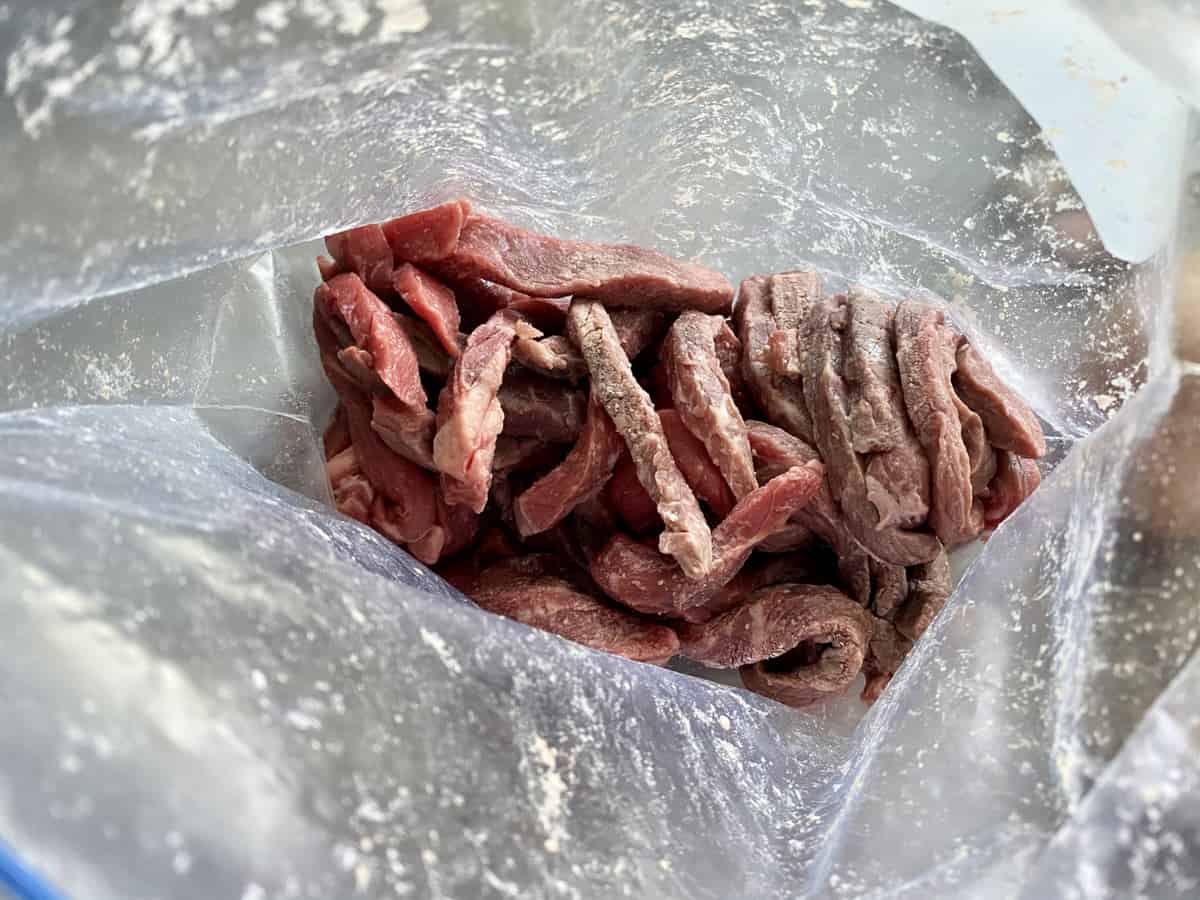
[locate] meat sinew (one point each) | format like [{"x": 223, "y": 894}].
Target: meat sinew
[{"x": 590, "y": 397}]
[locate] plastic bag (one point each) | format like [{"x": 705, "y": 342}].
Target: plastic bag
[{"x": 223, "y": 689}]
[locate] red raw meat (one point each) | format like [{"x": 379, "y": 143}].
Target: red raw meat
[
  {"x": 703, "y": 399},
  {"x": 431, "y": 357},
  {"x": 406, "y": 430},
  {"x": 1015, "y": 479},
  {"x": 645, "y": 580},
  {"x": 433, "y": 302},
  {"x": 540, "y": 407},
  {"x": 345, "y": 299},
  {"x": 456, "y": 528},
  {"x": 581, "y": 475},
  {"x": 352, "y": 493},
  {"x": 686, "y": 535},
  {"x": 1011, "y": 424},
  {"x": 701, "y": 474},
  {"x": 365, "y": 252},
  {"x": 629, "y": 499},
  {"x": 546, "y": 314},
  {"x": 429, "y": 234},
  {"x": 619, "y": 274},
  {"x": 554, "y": 357}
]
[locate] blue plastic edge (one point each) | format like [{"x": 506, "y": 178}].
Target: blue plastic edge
[{"x": 21, "y": 881}]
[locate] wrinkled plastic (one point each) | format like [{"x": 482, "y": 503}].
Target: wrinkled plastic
[{"x": 226, "y": 690}]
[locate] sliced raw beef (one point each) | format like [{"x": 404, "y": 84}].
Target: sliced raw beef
[
  {"x": 431, "y": 357},
  {"x": 637, "y": 329},
  {"x": 1010, "y": 423},
  {"x": 1015, "y": 479},
  {"x": 729, "y": 352},
  {"x": 703, "y": 399},
  {"x": 645, "y": 580},
  {"x": 771, "y": 621},
  {"x": 685, "y": 535},
  {"x": 546, "y": 314},
  {"x": 554, "y": 604},
  {"x": 429, "y": 234},
  {"x": 406, "y": 430},
  {"x": 456, "y": 528},
  {"x": 365, "y": 252},
  {"x": 789, "y": 539},
  {"x": 781, "y": 399},
  {"x": 783, "y": 354},
  {"x": 825, "y": 391},
  {"x": 889, "y": 587},
  {"x": 754, "y": 575},
  {"x": 433, "y": 302},
  {"x": 925, "y": 352},
  {"x": 929, "y": 586},
  {"x": 345, "y": 300},
  {"x": 699, "y": 471},
  {"x": 581, "y": 475},
  {"x": 827, "y": 658},
  {"x": 554, "y": 357},
  {"x": 469, "y": 417},
  {"x": 886, "y": 650},
  {"x": 618, "y": 274},
  {"x": 541, "y": 407},
  {"x": 980, "y": 454},
  {"x": 524, "y": 453},
  {"x": 792, "y": 293},
  {"x": 352, "y": 492},
  {"x": 327, "y": 267},
  {"x": 629, "y": 499}
]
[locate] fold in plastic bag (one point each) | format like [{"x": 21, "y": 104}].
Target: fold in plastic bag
[{"x": 225, "y": 689}]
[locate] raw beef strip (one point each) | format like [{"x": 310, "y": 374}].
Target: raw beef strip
[
  {"x": 886, "y": 650},
  {"x": 405, "y": 430},
  {"x": 929, "y": 586},
  {"x": 352, "y": 493},
  {"x": 432, "y": 301},
  {"x": 637, "y": 329},
  {"x": 1015, "y": 479},
  {"x": 546, "y": 314},
  {"x": 827, "y": 659},
  {"x": 337, "y": 435},
  {"x": 1010, "y": 423},
  {"x": 478, "y": 300},
  {"x": 685, "y": 534},
  {"x": 592, "y": 523},
  {"x": 792, "y": 293},
  {"x": 581, "y": 475},
  {"x": 554, "y": 604},
  {"x": 782, "y": 399},
  {"x": 456, "y": 528},
  {"x": 359, "y": 364},
  {"x": 754, "y": 575},
  {"x": 524, "y": 453},
  {"x": 771, "y": 621},
  {"x": 327, "y": 267},
  {"x": 889, "y": 587},
  {"x": 783, "y": 356},
  {"x": 896, "y": 473},
  {"x": 703, "y": 398},
  {"x": 825, "y": 392},
  {"x": 345, "y": 299},
  {"x": 699, "y": 471},
  {"x": 629, "y": 499},
  {"x": 729, "y": 352},
  {"x": 789, "y": 539},
  {"x": 925, "y": 352},
  {"x": 431, "y": 357},
  {"x": 554, "y": 357},
  {"x": 365, "y": 252},
  {"x": 645, "y": 580},
  {"x": 430, "y": 234},
  {"x": 541, "y": 407},
  {"x": 980, "y": 454},
  {"x": 619, "y": 274},
  {"x": 469, "y": 417}
]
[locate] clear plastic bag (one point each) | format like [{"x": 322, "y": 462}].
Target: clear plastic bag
[{"x": 224, "y": 689}]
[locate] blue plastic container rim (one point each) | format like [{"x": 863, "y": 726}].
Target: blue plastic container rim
[{"x": 22, "y": 882}]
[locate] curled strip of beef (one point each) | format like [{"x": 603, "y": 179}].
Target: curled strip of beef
[
  {"x": 703, "y": 399},
  {"x": 1016, "y": 478},
  {"x": 580, "y": 476},
  {"x": 363, "y": 251},
  {"x": 980, "y": 454},
  {"x": 431, "y": 357},
  {"x": 554, "y": 356},
  {"x": 796, "y": 567},
  {"x": 699, "y": 471},
  {"x": 770, "y": 622},
  {"x": 1010, "y": 423},
  {"x": 352, "y": 493},
  {"x": 826, "y": 659},
  {"x": 929, "y": 586},
  {"x": 469, "y": 417},
  {"x": 889, "y": 587},
  {"x": 629, "y": 499},
  {"x": 685, "y": 535},
  {"x": 429, "y": 234},
  {"x": 541, "y": 407},
  {"x": 896, "y": 470},
  {"x": 407, "y": 431},
  {"x": 345, "y": 300},
  {"x": 925, "y": 354},
  {"x": 618, "y": 274},
  {"x": 643, "y": 579},
  {"x": 886, "y": 650},
  {"x": 337, "y": 433},
  {"x": 433, "y": 302},
  {"x": 781, "y": 399},
  {"x": 552, "y": 603},
  {"x": 826, "y": 394}
]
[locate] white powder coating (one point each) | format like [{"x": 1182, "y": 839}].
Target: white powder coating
[
  {"x": 552, "y": 791},
  {"x": 439, "y": 646}
]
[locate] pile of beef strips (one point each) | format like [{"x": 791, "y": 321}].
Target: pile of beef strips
[{"x": 593, "y": 440}]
